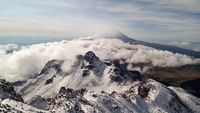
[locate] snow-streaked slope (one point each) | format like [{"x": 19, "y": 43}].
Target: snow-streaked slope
[
  {"x": 15, "y": 106},
  {"x": 99, "y": 86},
  {"x": 192, "y": 101},
  {"x": 158, "y": 99},
  {"x": 90, "y": 73}
]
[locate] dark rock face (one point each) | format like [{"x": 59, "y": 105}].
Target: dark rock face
[
  {"x": 107, "y": 63},
  {"x": 7, "y": 91},
  {"x": 116, "y": 78},
  {"x": 62, "y": 90},
  {"x": 71, "y": 93},
  {"x": 116, "y": 63},
  {"x": 49, "y": 81},
  {"x": 39, "y": 103},
  {"x": 143, "y": 91},
  {"x": 121, "y": 74},
  {"x": 85, "y": 73},
  {"x": 90, "y": 66},
  {"x": 91, "y": 63},
  {"x": 90, "y": 56}
]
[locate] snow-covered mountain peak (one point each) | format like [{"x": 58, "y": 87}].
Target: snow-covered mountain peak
[
  {"x": 111, "y": 34},
  {"x": 92, "y": 86},
  {"x": 88, "y": 72}
]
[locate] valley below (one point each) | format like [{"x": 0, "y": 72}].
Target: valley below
[{"x": 186, "y": 77}]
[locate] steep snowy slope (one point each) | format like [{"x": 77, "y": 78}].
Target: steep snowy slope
[{"x": 192, "y": 101}]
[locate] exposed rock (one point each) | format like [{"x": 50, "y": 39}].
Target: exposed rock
[
  {"x": 39, "y": 103},
  {"x": 116, "y": 78},
  {"x": 62, "y": 90},
  {"x": 7, "y": 91},
  {"x": 49, "y": 81},
  {"x": 116, "y": 63},
  {"x": 108, "y": 63},
  {"x": 85, "y": 73},
  {"x": 90, "y": 56},
  {"x": 69, "y": 99},
  {"x": 143, "y": 91},
  {"x": 90, "y": 66}
]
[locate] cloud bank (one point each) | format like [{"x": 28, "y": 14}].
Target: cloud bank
[
  {"x": 195, "y": 46},
  {"x": 28, "y": 61}
]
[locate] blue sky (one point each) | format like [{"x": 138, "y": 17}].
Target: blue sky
[{"x": 139, "y": 19}]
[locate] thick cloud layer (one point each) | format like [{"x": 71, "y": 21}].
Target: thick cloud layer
[{"x": 29, "y": 61}]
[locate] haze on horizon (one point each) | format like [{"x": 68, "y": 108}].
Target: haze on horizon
[{"x": 140, "y": 19}]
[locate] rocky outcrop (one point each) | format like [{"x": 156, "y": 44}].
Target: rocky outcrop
[
  {"x": 92, "y": 63},
  {"x": 39, "y": 103},
  {"x": 90, "y": 56},
  {"x": 69, "y": 99},
  {"x": 7, "y": 91}
]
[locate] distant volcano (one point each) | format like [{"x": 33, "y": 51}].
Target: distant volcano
[
  {"x": 112, "y": 34},
  {"x": 115, "y": 34}
]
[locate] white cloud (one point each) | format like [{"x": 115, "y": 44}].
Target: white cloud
[
  {"x": 29, "y": 61},
  {"x": 179, "y": 44},
  {"x": 69, "y": 66},
  {"x": 160, "y": 58},
  {"x": 142, "y": 69},
  {"x": 9, "y": 47},
  {"x": 2, "y": 52},
  {"x": 195, "y": 46}
]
